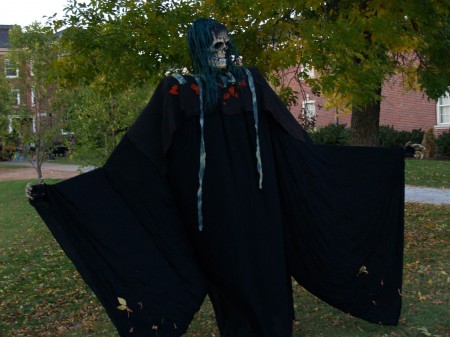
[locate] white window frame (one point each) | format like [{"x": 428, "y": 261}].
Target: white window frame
[
  {"x": 10, "y": 66},
  {"x": 12, "y": 117},
  {"x": 10, "y": 122},
  {"x": 439, "y": 106},
  {"x": 16, "y": 94},
  {"x": 33, "y": 97},
  {"x": 306, "y": 110}
]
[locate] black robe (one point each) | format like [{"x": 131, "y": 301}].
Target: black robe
[{"x": 331, "y": 217}]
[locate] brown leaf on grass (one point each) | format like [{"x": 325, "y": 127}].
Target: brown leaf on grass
[{"x": 421, "y": 297}]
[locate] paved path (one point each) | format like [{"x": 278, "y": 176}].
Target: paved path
[
  {"x": 52, "y": 166},
  {"x": 424, "y": 195}
]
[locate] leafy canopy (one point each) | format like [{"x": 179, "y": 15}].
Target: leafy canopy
[{"x": 353, "y": 45}]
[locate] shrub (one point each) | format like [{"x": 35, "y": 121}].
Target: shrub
[
  {"x": 416, "y": 136},
  {"x": 331, "y": 134},
  {"x": 389, "y": 137},
  {"x": 429, "y": 142},
  {"x": 443, "y": 144}
]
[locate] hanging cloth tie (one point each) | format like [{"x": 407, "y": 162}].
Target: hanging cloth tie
[
  {"x": 256, "y": 120},
  {"x": 201, "y": 171}
]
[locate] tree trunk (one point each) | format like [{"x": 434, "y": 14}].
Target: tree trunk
[{"x": 365, "y": 123}]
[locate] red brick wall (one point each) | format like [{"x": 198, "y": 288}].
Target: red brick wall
[
  {"x": 406, "y": 110},
  {"x": 402, "y": 110}
]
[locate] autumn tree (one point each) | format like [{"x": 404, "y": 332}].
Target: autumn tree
[
  {"x": 113, "y": 44},
  {"x": 34, "y": 49},
  {"x": 5, "y": 94},
  {"x": 115, "y": 52},
  {"x": 354, "y": 46},
  {"x": 98, "y": 120},
  {"x": 6, "y": 109}
]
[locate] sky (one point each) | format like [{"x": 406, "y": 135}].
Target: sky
[{"x": 25, "y": 12}]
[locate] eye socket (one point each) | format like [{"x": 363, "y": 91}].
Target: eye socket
[{"x": 219, "y": 45}]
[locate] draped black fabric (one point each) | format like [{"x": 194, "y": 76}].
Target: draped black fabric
[
  {"x": 331, "y": 217},
  {"x": 348, "y": 249},
  {"x": 125, "y": 248}
]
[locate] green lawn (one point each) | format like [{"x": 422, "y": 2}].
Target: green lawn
[
  {"x": 431, "y": 173},
  {"x": 4, "y": 165},
  {"x": 59, "y": 160},
  {"x": 41, "y": 294}
]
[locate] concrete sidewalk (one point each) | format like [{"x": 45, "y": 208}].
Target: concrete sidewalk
[
  {"x": 426, "y": 195},
  {"x": 423, "y": 195},
  {"x": 52, "y": 166}
]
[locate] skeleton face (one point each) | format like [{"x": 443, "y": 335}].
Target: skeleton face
[{"x": 218, "y": 49}]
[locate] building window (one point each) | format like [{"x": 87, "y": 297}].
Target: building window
[
  {"x": 33, "y": 97},
  {"x": 443, "y": 109},
  {"x": 309, "y": 108},
  {"x": 16, "y": 97},
  {"x": 10, "y": 123},
  {"x": 11, "y": 70}
]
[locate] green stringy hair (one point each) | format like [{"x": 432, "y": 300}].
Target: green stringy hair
[{"x": 200, "y": 38}]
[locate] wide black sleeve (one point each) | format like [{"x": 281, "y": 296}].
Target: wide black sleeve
[
  {"x": 343, "y": 209},
  {"x": 120, "y": 227}
]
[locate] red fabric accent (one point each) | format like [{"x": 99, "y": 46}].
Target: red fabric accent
[
  {"x": 174, "y": 89},
  {"x": 195, "y": 88}
]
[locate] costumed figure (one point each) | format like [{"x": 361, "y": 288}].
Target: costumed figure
[{"x": 216, "y": 189}]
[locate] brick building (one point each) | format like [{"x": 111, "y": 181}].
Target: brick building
[
  {"x": 403, "y": 110},
  {"x": 20, "y": 77},
  {"x": 27, "y": 112}
]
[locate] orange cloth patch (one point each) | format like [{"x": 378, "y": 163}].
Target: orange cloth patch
[{"x": 174, "y": 89}]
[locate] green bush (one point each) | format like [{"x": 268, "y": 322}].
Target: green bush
[
  {"x": 389, "y": 137},
  {"x": 416, "y": 136},
  {"x": 331, "y": 134},
  {"x": 443, "y": 144}
]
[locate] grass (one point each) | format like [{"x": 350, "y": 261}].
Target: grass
[
  {"x": 59, "y": 160},
  {"x": 3, "y": 165},
  {"x": 41, "y": 294},
  {"x": 430, "y": 173}
]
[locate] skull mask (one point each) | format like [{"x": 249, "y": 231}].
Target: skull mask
[
  {"x": 212, "y": 53},
  {"x": 218, "y": 50}
]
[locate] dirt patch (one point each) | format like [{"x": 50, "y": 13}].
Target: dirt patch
[{"x": 8, "y": 174}]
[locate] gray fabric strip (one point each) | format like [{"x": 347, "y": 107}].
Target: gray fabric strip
[
  {"x": 256, "y": 119},
  {"x": 179, "y": 78},
  {"x": 202, "y": 166},
  {"x": 201, "y": 170}
]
